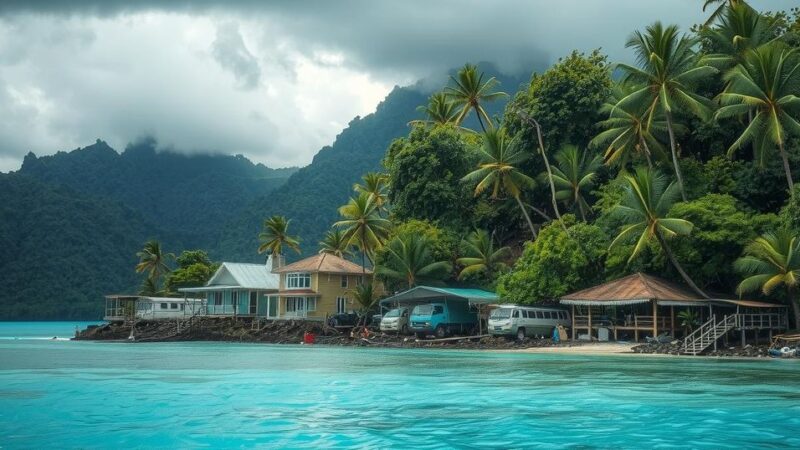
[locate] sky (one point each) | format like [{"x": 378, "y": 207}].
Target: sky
[{"x": 272, "y": 80}]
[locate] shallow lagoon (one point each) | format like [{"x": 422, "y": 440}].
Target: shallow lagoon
[{"x": 95, "y": 394}]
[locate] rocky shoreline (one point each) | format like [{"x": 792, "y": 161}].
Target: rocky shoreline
[{"x": 291, "y": 332}]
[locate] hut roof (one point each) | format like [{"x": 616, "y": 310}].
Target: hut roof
[{"x": 633, "y": 289}]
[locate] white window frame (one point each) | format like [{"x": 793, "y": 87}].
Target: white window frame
[
  {"x": 311, "y": 304},
  {"x": 344, "y": 281},
  {"x": 341, "y": 305},
  {"x": 298, "y": 280}
]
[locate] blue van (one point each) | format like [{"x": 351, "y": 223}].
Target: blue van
[{"x": 442, "y": 319}]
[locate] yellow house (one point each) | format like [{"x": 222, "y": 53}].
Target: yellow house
[{"x": 319, "y": 286}]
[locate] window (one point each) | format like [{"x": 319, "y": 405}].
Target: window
[
  {"x": 163, "y": 306},
  {"x": 515, "y": 314},
  {"x": 234, "y": 297},
  {"x": 539, "y": 315},
  {"x": 182, "y": 306},
  {"x": 298, "y": 304},
  {"x": 341, "y": 305},
  {"x": 311, "y": 304},
  {"x": 438, "y": 309},
  {"x": 298, "y": 280},
  {"x": 217, "y": 298},
  {"x": 344, "y": 281},
  {"x": 173, "y": 306},
  {"x": 359, "y": 280}
]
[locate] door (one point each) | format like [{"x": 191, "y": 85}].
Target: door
[
  {"x": 253, "y": 303},
  {"x": 341, "y": 305}
]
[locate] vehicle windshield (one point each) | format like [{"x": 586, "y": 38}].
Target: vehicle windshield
[
  {"x": 423, "y": 310},
  {"x": 500, "y": 313},
  {"x": 393, "y": 313}
]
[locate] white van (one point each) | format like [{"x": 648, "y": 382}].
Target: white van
[
  {"x": 395, "y": 321},
  {"x": 522, "y": 321}
]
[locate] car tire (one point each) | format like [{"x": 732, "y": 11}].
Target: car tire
[
  {"x": 441, "y": 332},
  {"x": 521, "y": 334}
]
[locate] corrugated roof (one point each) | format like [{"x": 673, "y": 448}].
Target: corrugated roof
[
  {"x": 636, "y": 288},
  {"x": 249, "y": 276},
  {"x": 424, "y": 293},
  {"x": 324, "y": 263}
]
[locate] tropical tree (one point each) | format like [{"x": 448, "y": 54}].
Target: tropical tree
[
  {"x": 335, "y": 243},
  {"x": 765, "y": 84},
  {"x": 470, "y": 92},
  {"x": 481, "y": 256},
  {"x": 644, "y": 209},
  {"x": 363, "y": 225},
  {"x": 574, "y": 176},
  {"x": 667, "y": 73},
  {"x": 722, "y": 4},
  {"x": 689, "y": 320},
  {"x": 770, "y": 261},
  {"x": 149, "y": 288},
  {"x": 374, "y": 184},
  {"x": 627, "y": 132},
  {"x": 364, "y": 295},
  {"x": 499, "y": 171},
  {"x": 409, "y": 260},
  {"x": 276, "y": 236},
  {"x": 739, "y": 30},
  {"x": 440, "y": 110},
  {"x": 153, "y": 261}
]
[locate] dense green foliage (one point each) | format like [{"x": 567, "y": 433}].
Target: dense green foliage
[
  {"x": 194, "y": 269},
  {"x": 556, "y": 263}
]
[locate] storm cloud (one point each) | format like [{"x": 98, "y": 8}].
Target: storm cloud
[{"x": 272, "y": 80}]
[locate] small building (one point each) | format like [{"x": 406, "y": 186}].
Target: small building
[
  {"x": 642, "y": 304},
  {"x": 156, "y": 308},
  {"x": 241, "y": 290},
  {"x": 319, "y": 286}
]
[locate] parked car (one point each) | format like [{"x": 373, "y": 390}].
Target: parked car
[
  {"x": 523, "y": 321},
  {"x": 343, "y": 320},
  {"x": 375, "y": 321},
  {"x": 443, "y": 319},
  {"x": 395, "y": 321}
]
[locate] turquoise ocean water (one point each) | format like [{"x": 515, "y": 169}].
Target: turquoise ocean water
[{"x": 63, "y": 394}]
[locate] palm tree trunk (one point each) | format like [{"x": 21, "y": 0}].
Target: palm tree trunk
[
  {"x": 646, "y": 152},
  {"x": 527, "y": 217},
  {"x": 549, "y": 174},
  {"x": 786, "y": 168},
  {"x": 675, "y": 155},
  {"x": 477, "y": 113},
  {"x": 678, "y": 266},
  {"x": 580, "y": 205}
]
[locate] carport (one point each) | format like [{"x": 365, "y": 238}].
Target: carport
[{"x": 419, "y": 295}]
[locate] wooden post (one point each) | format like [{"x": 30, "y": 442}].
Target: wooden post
[
  {"x": 573, "y": 321},
  {"x": 743, "y": 338},
  {"x": 655, "y": 319},
  {"x": 672, "y": 321},
  {"x": 590, "y": 323},
  {"x": 635, "y": 327}
]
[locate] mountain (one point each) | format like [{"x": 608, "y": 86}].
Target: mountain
[
  {"x": 187, "y": 196},
  {"x": 312, "y": 195},
  {"x": 61, "y": 250}
]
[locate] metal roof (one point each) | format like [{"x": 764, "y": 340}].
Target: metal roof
[
  {"x": 633, "y": 289},
  {"x": 428, "y": 293},
  {"x": 240, "y": 275}
]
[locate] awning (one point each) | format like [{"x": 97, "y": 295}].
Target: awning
[
  {"x": 750, "y": 303},
  {"x": 224, "y": 288},
  {"x": 423, "y": 294}
]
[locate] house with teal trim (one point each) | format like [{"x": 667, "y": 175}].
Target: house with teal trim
[{"x": 241, "y": 290}]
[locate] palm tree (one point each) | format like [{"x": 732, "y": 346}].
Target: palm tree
[
  {"x": 772, "y": 260},
  {"x": 481, "y": 255},
  {"x": 363, "y": 225},
  {"x": 667, "y": 72},
  {"x": 644, "y": 207},
  {"x": 573, "y": 176},
  {"x": 440, "y": 110},
  {"x": 627, "y": 132},
  {"x": 276, "y": 236},
  {"x": 498, "y": 169},
  {"x": 364, "y": 295},
  {"x": 335, "y": 243},
  {"x": 374, "y": 184},
  {"x": 409, "y": 259},
  {"x": 766, "y": 84},
  {"x": 153, "y": 261},
  {"x": 720, "y": 9},
  {"x": 149, "y": 288},
  {"x": 740, "y": 29},
  {"x": 471, "y": 92},
  {"x": 689, "y": 320}
]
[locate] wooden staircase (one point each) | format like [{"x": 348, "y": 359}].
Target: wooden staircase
[{"x": 708, "y": 334}]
